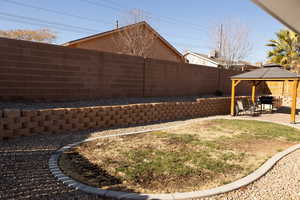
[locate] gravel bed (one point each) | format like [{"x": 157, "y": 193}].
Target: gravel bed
[
  {"x": 98, "y": 102},
  {"x": 24, "y": 169},
  {"x": 282, "y": 182}
]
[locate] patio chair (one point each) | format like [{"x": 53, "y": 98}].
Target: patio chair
[
  {"x": 245, "y": 107},
  {"x": 239, "y": 107},
  {"x": 253, "y": 107}
]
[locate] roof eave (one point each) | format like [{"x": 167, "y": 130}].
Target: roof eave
[
  {"x": 123, "y": 28},
  {"x": 266, "y": 79},
  {"x": 98, "y": 35},
  {"x": 168, "y": 44},
  {"x": 277, "y": 16}
]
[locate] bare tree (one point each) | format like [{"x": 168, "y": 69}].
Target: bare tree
[
  {"x": 40, "y": 35},
  {"x": 231, "y": 41},
  {"x": 134, "y": 16},
  {"x": 136, "y": 39}
]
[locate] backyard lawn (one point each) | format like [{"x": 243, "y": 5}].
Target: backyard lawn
[{"x": 191, "y": 157}]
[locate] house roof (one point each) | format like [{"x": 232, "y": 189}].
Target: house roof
[
  {"x": 206, "y": 57},
  {"x": 268, "y": 72},
  {"x": 287, "y": 12},
  {"x": 122, "y": 29},
  {"x": 217, "y": 61}
]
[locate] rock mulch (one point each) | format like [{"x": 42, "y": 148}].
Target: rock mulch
[
  {"x": 24, "y": 170},
  {"x": 97, "y": 102},
  {"x": 282, "y": 182}
]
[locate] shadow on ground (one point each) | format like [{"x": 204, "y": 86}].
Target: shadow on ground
[
  {"x": 81, "y": 169},
  {"x": 286, "y": 110},
  {"x": 24, "y": 167}
]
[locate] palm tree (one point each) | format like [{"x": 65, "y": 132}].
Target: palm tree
[{"x": 285, "y": 49}]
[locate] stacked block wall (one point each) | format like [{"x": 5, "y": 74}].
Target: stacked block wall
[
  {"x": 43, "y": 72},
  {"x": 15, "y": 122}
]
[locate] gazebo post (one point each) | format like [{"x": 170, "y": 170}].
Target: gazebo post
[
  {"x": 294, "y": 101},
  {"x": 232, "y": 98},
  {"x": 253, "y": 92},
  {"x": 234, "y": 83}
]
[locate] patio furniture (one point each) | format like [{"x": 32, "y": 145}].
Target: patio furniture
[
  {"x": 245, "y": 107},
  {"x": 239, "y": 107},
  {"x": 254, "y": 107},
  {"x": 270, "y": 72},
  {"x": 264, "y": 101}
]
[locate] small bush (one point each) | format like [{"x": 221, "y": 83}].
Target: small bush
[{"x": 218, "y": 93}]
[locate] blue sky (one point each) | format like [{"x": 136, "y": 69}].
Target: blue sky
[{"x": 185, "y": 24}]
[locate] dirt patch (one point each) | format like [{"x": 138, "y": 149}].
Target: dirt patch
[
  {"x": 207, "y": 129},
  {"x": 267, "y": 147},
  {"x": 194, "y": 157}
]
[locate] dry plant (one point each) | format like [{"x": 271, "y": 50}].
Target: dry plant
[
  {"x": 232, "y": 42},
  {"x": 136, "y": 39},
  {"x": 39, "y": 35}
]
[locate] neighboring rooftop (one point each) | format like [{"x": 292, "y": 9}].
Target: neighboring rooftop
[
  {"x": 217, "y": 60},
  {"x": 128, "y": 27}
]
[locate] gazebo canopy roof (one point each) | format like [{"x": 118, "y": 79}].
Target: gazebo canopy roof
[{"x": 269, "y": 72}]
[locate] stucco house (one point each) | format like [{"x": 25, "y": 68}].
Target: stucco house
[
  {"x": 212, "y": 60},
  {"x": 108, "y": 41},
  {"x": 202, "y": 59}
]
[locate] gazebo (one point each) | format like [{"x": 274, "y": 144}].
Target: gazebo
[{"x": 269, "y": 72}]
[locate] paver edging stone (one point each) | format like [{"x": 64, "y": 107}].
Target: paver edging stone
[{"x": 262, "y": 170}]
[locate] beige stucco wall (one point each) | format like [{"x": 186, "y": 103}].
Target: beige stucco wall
[
  {"x": 163, "y": 52},
  {"x": 101, "y": 44},
  {"x": 107, "y": 43}
]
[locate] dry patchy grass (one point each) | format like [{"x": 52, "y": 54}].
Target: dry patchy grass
[{"x": 192, "y": 157}]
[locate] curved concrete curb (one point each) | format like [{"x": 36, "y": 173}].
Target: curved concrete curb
[{"x": 55, "y": 170}]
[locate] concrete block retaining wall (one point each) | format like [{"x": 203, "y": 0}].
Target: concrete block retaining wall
[{"x": 15, "y": 122}]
